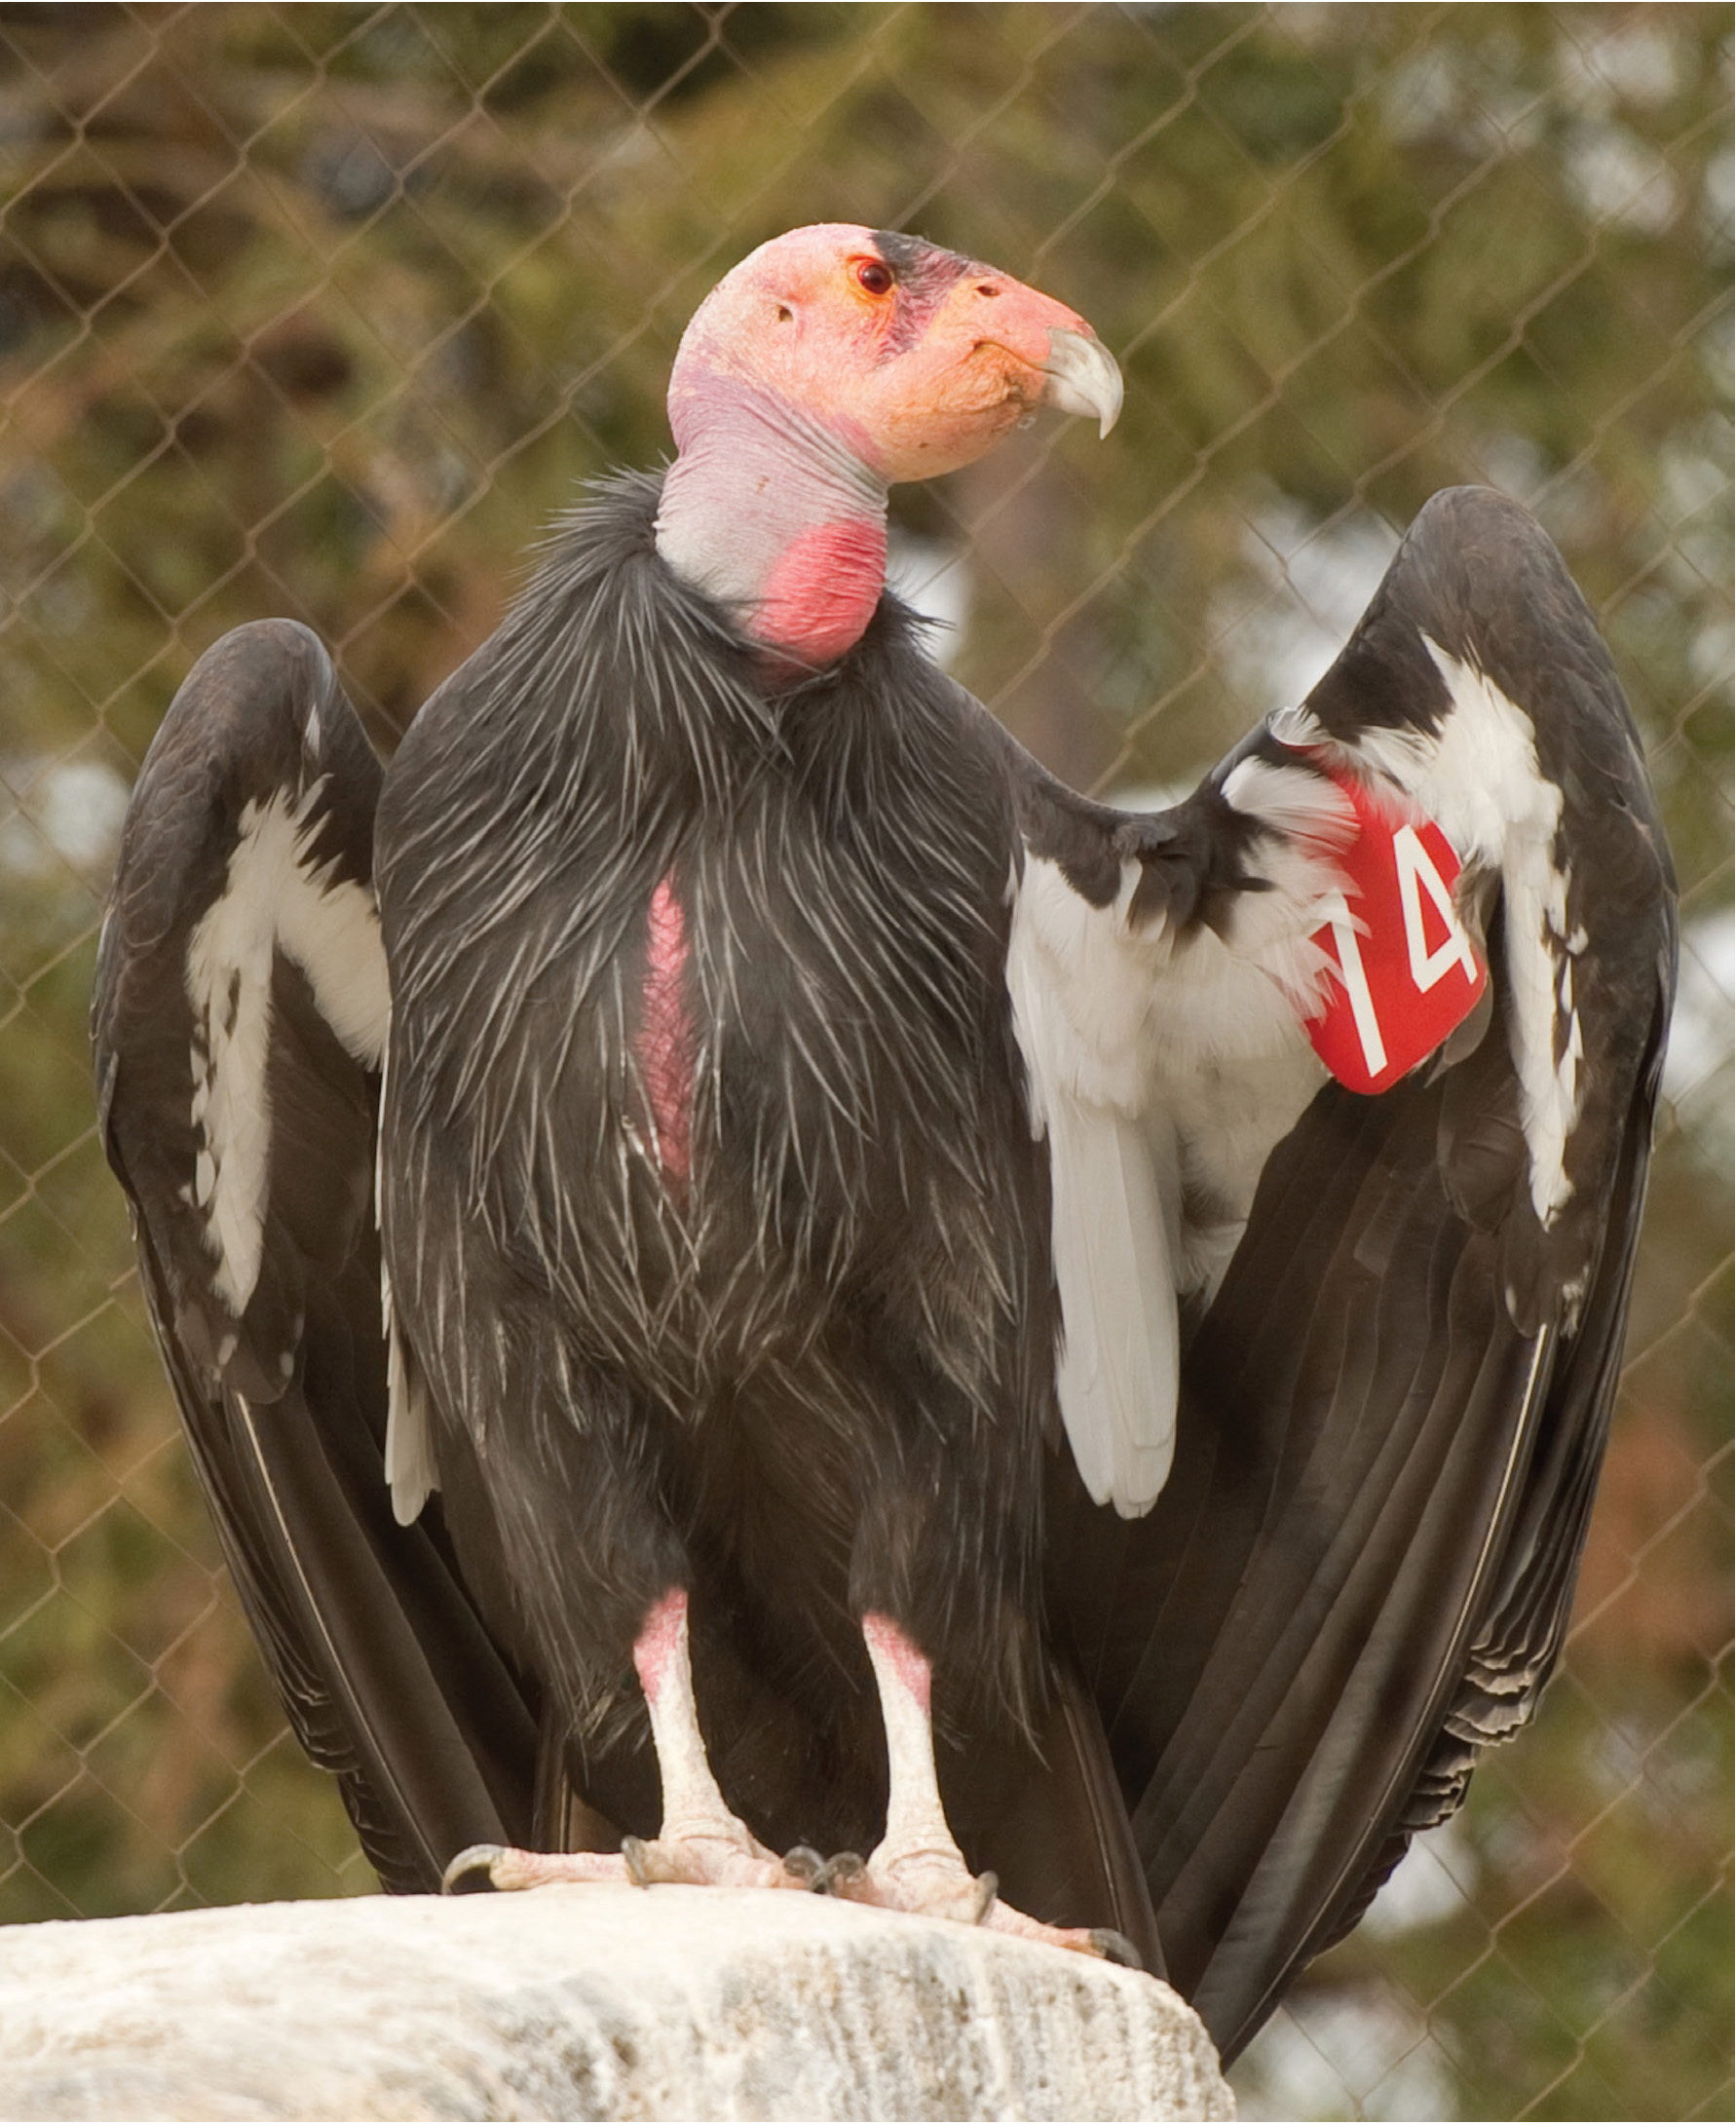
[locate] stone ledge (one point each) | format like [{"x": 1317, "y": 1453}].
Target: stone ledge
[{"x": 581, "y": 2004}]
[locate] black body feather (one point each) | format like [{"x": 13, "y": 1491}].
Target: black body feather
[{"x": 818, "y": 1379}]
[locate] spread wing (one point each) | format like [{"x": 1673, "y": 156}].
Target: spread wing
[
  {"x": 1386, "y": 1327},
  {"x": 239, "y": 1021}
]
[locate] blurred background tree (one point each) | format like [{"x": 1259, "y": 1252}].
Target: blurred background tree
[{"x": 329, "y": 310}]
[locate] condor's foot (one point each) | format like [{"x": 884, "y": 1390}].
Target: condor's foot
[
  {"x": 936, "y": 1883},
  {"x": 713, "y": 1852},
  {"x": 506, "y": 1866},
  {"x": 709, "y": 1854},
  {"x": 917, "y": 1866}
]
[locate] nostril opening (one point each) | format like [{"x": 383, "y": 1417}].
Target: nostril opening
[
  {"x": 785, "y": 315},
  {"x": 987, "y": 287}
]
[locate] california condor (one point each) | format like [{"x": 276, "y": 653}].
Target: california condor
[{"x": 715, "y": 1198}]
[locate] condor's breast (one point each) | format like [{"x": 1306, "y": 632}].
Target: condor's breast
[{"x": 673, "y": 1046}]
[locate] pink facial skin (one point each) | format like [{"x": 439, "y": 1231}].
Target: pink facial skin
[
  {"x": 830, "y": 364},
  {"x": 919, "y": 372}
]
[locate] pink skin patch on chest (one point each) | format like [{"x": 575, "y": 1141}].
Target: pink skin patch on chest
[
  {"x": 664, "y": 1048},
  {"x": 823, "y": 589}
]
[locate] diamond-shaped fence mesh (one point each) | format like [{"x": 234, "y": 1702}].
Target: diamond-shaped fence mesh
[{"x": 326, "y": 310}]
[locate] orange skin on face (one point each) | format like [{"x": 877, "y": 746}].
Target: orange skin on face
[
  {"x": 829, "y": 366},
  {"x": 814, "y": 318}
]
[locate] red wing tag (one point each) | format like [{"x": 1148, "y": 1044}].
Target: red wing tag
[{"x": 1408, "y": 973}]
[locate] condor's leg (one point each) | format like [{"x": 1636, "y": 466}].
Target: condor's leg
[
  {"x": 701, "y": 1840},
  {"x": 917, "y": 1866},
  {"x": 559, "y": 1522}
]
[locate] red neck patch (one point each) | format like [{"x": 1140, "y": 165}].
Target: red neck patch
[
  {"x": 823, "y": 589},
  {"x": 1408, "y": 973}
]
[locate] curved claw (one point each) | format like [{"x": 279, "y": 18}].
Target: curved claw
[
  {"x": 841, "y": 1867},
  {"x": 802, "y": 1863},
  {"x": 1115, "y": 1947},
  {"x": 988, "y": 1887},
  {"x": 637, "y": 1854},
  {"x": 480, "y": 1859}
]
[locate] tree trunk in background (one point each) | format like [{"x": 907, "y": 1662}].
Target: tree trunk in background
[{"x": 1025, "y": 527}]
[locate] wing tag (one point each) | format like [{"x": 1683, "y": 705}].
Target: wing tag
[{"x": 1407, "y": 972}]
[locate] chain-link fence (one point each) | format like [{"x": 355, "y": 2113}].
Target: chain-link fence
[{"x": 325, "y": 309}]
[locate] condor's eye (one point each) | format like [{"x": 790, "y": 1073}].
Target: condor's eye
[{"x": 876, "y": 276}]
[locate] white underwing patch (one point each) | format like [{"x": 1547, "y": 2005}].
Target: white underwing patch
[
  {"x": 1307, "y": 819},
  {"x": 1478, "y": 777},
  {"x": 1078, "y": 1023},
  {"x": 275, "y": 898},
  {"x": 1162, "y": 1070}
]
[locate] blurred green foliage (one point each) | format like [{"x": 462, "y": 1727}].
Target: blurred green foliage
[{"x": 326, "y": 311}]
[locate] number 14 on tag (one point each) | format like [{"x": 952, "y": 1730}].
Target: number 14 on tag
[{"x": 1407, "y": 971}]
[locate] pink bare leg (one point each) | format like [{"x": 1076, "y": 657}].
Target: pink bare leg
[
  {"x": 917, "y": 1866},
  {"x": 700, "y": 1840}
]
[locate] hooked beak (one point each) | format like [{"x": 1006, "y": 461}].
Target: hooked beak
[{"x": 1081, "y": 376}]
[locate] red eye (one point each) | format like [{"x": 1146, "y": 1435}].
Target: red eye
[{"x": 876, "y": 276}]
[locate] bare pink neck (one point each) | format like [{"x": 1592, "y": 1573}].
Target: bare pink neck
[{"x": 777, "y": 517}]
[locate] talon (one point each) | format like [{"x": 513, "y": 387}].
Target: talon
[
  {"x": 637, "y": 1854},
  {"x": 1115, "y": 1947},
  {"x": 988, "y": 1887},
  {"x": 841, "y": 1867},
  {"x": 802, "y": 1863},
  {"x": 480, "y": 1859}
]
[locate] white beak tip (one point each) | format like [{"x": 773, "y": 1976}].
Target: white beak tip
[{"x": 1083, "y": 378}]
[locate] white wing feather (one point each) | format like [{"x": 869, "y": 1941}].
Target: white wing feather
[
  {"x": 1080, "y": 1025},
  {"x": 1162, "y": 1071}
]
